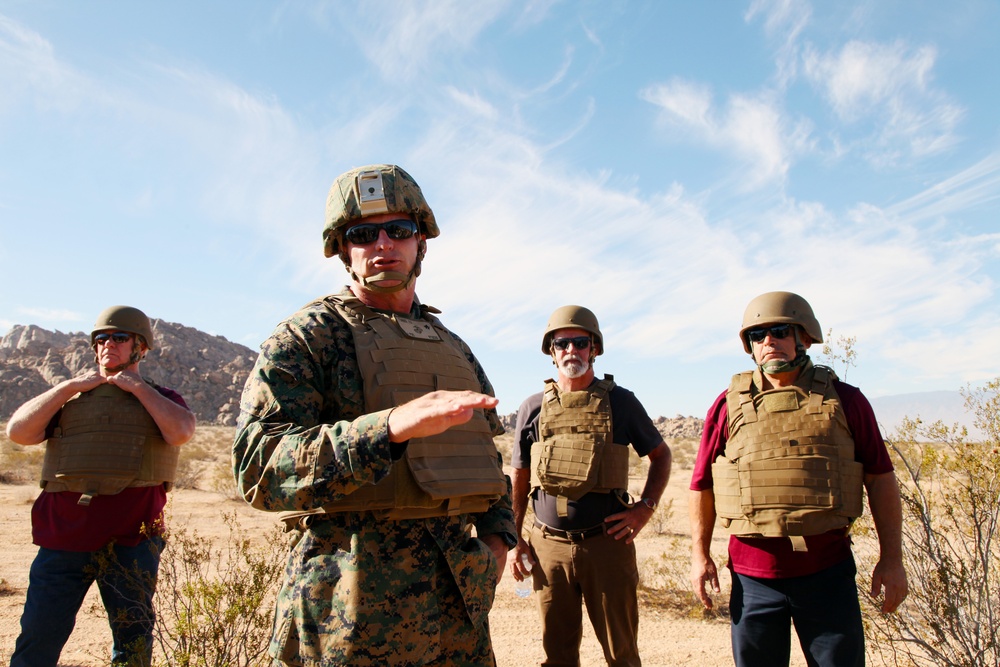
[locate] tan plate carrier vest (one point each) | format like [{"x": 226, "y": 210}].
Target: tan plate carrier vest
[
  {"x": 789, "y": 468},
  {"x": 455, "y": 472},
  {"x": 105, "y": 442},
  {"x": 576, "y": 454}
]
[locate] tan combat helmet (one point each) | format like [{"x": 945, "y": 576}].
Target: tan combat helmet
[
  {"x": 573, "y": 317},
  {"x": 124, "y": 318},
  {"x": 370, "y": 190},
  {"x": 128, "y": 319},
  {"x": 780, "y": 308}
]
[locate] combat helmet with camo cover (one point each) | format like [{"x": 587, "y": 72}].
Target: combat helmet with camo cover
[
  {"x": 130, "y": 320},
  {"x": 372, "y": 190},
  {"x": 782, "y": 308}
]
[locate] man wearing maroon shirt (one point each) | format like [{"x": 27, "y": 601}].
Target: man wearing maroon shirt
[
  {"x": 111, "y": 453},
  {"x": 782, "y": 460}
]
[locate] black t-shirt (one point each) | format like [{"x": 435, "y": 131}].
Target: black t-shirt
[{"x": 630, "y": 424}]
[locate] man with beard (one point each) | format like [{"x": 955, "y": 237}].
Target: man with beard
[
  {"x": 373, "y": 424},
  {"x": 571, "y": 451}
]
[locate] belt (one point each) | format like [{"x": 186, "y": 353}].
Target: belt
[{"x": 574, "y": 536}]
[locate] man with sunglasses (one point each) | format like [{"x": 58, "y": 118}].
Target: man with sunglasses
[
  {"x": 371, "y": 425},
  {"x": 784, "y": 455},
  {"x": 112, "y": 441},
  {"x": 571, "y": 454}
]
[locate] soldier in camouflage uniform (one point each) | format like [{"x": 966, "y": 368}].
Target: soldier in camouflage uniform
[{"x": 370, "y": 425}]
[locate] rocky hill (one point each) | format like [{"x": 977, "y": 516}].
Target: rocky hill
[{"x": 208, "y": 371}]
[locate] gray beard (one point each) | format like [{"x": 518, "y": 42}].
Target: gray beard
[{"x": 574, "y": 368}]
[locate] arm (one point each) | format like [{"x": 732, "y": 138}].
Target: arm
[
  {"x": 521, "y": 481},
  {"x": 29, "y": 422},
  {"x": 701, "y": 508},
  {"x": 176, "y": 422},
  {"x": 889, "y": 574},
  {"x": 627, "y": 524}
]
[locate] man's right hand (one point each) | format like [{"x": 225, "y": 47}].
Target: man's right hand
[
  {"x": 703, "y": 572},
  {"x": 516, "y": 567},
  {"x": 435, "y": 413}
]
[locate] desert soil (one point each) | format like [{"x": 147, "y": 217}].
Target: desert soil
[{"x": 665, "y": 637}]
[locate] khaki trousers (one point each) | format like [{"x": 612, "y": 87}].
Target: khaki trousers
[{"x": 599, "y": 571}]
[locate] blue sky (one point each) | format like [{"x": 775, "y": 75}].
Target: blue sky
[{"x": 660, "y": 162}]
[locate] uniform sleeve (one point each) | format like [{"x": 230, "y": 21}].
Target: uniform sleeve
[
  {"x": 302, "y": 439},
  {"x": 712, "y": 445}
]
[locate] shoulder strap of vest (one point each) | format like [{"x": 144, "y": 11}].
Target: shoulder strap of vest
[{"x": 740, "y": 387}]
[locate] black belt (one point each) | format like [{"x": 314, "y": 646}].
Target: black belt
[{"x": 570, "y": 535}]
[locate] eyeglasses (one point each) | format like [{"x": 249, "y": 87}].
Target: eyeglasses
[
  {"x": 117, "y": 337},
  {"x": 368, "y": 232},
  {"x": 579, "y": 342},
  {"x": 778, "y": 331}
]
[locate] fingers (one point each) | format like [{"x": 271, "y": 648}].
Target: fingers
[{"x": 435, "y": 413}]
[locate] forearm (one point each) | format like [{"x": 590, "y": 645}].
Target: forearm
[
  {"x": 887, "y": 514},
  {"x": 176, "y": 422},
  {"x": 520, "y": 482},
  {"x": 28, "y": 423},
  {"x": 701, "y": 509},
  {"x": 499, "y": 518},
  {"x": 659, "y": 472}
]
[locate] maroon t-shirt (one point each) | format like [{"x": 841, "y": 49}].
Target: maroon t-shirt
[
  {"x": 773, "y": 557},
  {"x": 58, "y": 522}
]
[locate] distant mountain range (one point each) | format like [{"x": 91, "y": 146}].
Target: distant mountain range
[{"x": 930, "y": 406}]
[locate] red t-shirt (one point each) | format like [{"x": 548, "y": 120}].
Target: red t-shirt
[
  {"x": 58, "y": 522},
  {"x": 772, "y": 557}
]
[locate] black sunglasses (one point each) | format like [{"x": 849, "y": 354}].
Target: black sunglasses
[
  {"x": 367, "y": 232},
  {"x": 117, "y": 337},
  {"x": 778, "y": 331},
  {"x": 579, "y": 342}
]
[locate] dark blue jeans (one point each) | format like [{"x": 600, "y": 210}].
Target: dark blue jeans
[
  {"x": 57, "y": 584},
  {"x": 823, "y": 606}
]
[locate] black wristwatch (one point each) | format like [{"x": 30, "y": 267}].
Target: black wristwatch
[
  {"x": 508, "y": 539},
  {"x": 649, "y": 502}
]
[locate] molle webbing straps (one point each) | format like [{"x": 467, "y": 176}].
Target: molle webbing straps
[
  {"x": 105, "y": 442},
  {"x": 790, "y": 470},
  {"x": 576, "y": 454},
  {"x": 400, "y": 359}
]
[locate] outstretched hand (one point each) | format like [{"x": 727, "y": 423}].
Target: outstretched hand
[{"x": 435, "y": 413}]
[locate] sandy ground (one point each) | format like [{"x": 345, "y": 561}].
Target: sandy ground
[{"x": 664, "y": 638}]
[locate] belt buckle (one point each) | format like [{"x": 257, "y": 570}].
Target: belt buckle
[{"x": 576, "y": 536}]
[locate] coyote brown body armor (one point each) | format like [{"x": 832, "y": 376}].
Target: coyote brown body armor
[
  {"x": 106, "y": 441},
  {"x": 400, "y": 359},
  {"x": 789, "y": 468},
  {"x": 576, "y": 453}
]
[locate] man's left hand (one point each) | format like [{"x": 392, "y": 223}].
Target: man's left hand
[
  {"x": 627, "y": 524},
  {"x": 891, "y": 577}
]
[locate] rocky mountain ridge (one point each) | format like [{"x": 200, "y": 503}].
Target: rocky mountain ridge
[{"x": 209, "y": 371}]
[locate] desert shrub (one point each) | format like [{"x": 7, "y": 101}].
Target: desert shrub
[
  {"x": 665, "y": 584},
  {"x": 950, "y": 488},
  {"x": 215, "y": 605}
]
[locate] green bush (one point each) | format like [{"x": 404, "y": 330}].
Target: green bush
[{"x": 950, "y": 488}]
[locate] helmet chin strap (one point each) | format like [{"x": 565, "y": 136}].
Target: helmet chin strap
[
  {"x": 405, "y": 279},
  {"x": 134, "y": 358}
]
